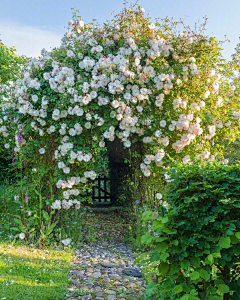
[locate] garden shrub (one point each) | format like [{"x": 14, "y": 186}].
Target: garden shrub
[{"x": 197, "y": 241}]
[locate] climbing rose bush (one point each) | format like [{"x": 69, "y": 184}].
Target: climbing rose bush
[{"x": 129, "y": 79}]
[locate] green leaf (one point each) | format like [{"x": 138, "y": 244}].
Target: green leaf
[
  {"x": 216, "y": 255},
  {"x": 185, "y": 297},
  {"x": 237, "y": 235},
  {"x": 195, "y": 261},
  {"x": 169, "y": 230},
  {"x": 45, "y": 215},
  {"x": 51, "y": 227},
  {"x": 195, "y": 275},
  {"x": 157, "y": 224},
  {"x": 223, "y": 288},
  {"x": 175, "y": 242},
  {"x": 236, "y": 251},
  {"x": 155, "y": 257},
  {"x": 162, "y": 247},
  {"x": 146, "y": 239},
  {"x": 205, "y": 275},
  {"x": 147, "y": 215},
  {"x": 164, "y": 256},
  {"x": 15, "y": 229},
  {"x": 18, "y": 221},
  {"x": 160, "y": 239},
  {"x": 178, "y": 289},
  {"x": 164, "y": 220},
  {"x": 185, "y": 264},
  {"x": 234, "y": 240},
  {"x": 209, "y": 259},
  {"x": 225, "y": 242},
  {"x": 163, "y": 268}
]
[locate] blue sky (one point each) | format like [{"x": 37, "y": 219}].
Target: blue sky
[{"x": 31, "y": 25}]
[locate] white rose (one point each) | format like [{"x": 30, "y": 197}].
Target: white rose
[
  {"x": 99, "y": 48},
  {"x": 201, "y": 103},
  {"x": 22, "y": 236},
  {"x": 72, "y": 132},
  {"x": 42, "y": 151},
  {"x": 192, "y": 59},
  {"x": 80, "y": 55},
  {"x": 151, "y": 26},
  {"x": 127, "y": 144},
  {"x": 34, "y": 98},
  {"x": 101, "y": 144},
  {"x": 147, "y": 173},
  {"x": 81, "y": 23},
  {"x": 163, "y": 123},
  {"x": 66, "y": 170},
  {"x": 88, "y": 125}
]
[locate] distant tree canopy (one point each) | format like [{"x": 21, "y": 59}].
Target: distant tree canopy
[
  {"x": 232, "y": 150},
  {"x": 10, "y": 63}
]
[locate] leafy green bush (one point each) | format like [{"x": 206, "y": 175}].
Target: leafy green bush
[{"x": 197, "y": 242}]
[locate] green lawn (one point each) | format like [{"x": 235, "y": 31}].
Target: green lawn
[{"x": 33, "y": 274}]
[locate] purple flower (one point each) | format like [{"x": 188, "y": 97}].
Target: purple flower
[
  {"x": 20, "y": 138},
  {"x": 26, "y": 198},
  {"x": 13, "y": 160}
]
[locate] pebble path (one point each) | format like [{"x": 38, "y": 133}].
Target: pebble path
[{"x": 106, "y": 271}]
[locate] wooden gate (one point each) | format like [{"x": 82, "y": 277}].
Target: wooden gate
[{"x": 101, "y": 191}]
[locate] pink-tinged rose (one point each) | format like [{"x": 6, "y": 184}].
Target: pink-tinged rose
[{"x": 26, "y": 198}]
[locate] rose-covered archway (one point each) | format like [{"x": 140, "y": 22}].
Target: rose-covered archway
[{"x": 131, "y": 80}]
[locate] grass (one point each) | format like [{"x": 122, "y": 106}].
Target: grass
[{"x": 33, "y": 274}]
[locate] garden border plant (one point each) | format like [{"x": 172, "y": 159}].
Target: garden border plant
[{"x": 195, "y": 245}]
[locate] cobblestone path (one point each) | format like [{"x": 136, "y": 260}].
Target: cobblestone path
[{"x": 106, "y": 270}]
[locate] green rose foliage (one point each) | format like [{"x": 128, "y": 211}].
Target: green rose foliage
[
  {"x": 10, "y": 66},
  {"x": 196, "y": 244}
]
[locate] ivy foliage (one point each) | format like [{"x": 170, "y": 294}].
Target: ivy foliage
[{"x": 196, "y": 244}]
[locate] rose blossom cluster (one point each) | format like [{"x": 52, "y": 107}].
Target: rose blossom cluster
[{"x": 121, "y": 81}]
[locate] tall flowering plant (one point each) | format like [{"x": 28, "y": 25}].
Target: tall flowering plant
[{"x": 128, "y": 79}]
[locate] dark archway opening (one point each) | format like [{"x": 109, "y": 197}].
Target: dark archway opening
[{"x": 122, "y": 165}]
